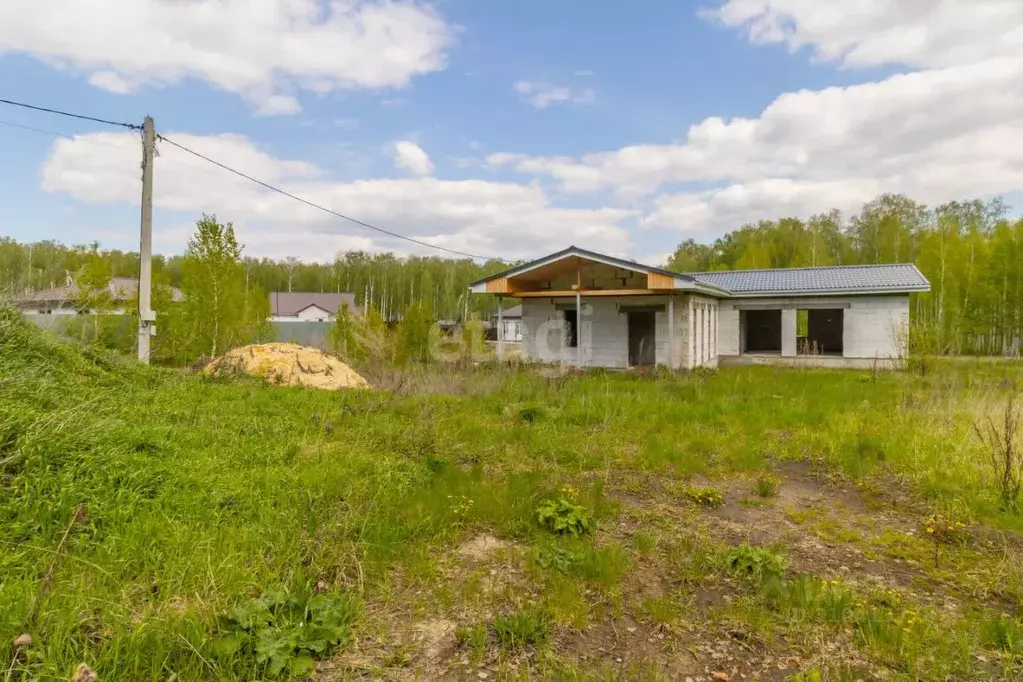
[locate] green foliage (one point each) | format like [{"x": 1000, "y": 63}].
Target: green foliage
[
  {"x": 344, "y": 337},
  {"x": 528, "y": 627},
  {"x": 563, "y": 517},
  {"x": 767, "y": 486},
  {"x": 283, "y": 633},
  {"x": 474, "y": 638},
  {"x": 219, "y": 310},
  {"x": 473, "y": 338},
  {"x": 414, "y": 334},
  {"x": 705, "y": 496},
  {"x": 532, "y": 413},
  {"x": 755, "y": 563},
  {"x": 595, "y": 564},
  {"x": 1003, "y": 634}
]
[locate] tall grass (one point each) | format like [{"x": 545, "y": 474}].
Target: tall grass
[{"x": 200, "y": 493}]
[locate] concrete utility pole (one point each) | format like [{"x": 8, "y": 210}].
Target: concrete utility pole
[{"x": 147, "y": 317}]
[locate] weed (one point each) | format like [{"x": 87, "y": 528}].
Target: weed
[
  {"x": 522, "y": 628},
  {"x": 645, "y": 542},
  {"x": 755, "y": 563},
  {"x": 283, "y": 633},
  {"x": 1003, "y": 633},
  {"x": 532, "y": 413},
  {"x": 564, "y": 517},
  {"x": 474, "y": 638},
  {"x": 705, "y": 496},
  {"x": 1002, "y": 440},
  {"x": 767, "y": 486},
  {"x": 603, "y": 565}
]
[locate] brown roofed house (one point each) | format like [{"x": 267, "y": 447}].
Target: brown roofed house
[{"x": 302, "y": 306}]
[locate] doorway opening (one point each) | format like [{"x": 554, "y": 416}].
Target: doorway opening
[
  {"x": 819, "y": 332},
  {"x": 761, "y": 331},
  {"x": 642, "y": 341}
]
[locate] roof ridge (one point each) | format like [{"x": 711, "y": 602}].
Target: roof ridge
[{"x": 803, "y": 268}]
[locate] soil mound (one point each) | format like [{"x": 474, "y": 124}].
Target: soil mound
[{"x": 289, "y": 364}]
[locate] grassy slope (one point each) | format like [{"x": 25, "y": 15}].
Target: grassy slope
[{"x": 200, "y": 493}]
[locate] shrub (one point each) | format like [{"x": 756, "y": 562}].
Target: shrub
[
  {"x": 564, "y": 517},
  {"x": 283, "y": 633},
  {"x": 523, "y": 628},
  {"x": 705, "y": 496},
  {"x": 756, "y": 563},
  {"x": 532, "y": 413},
  {"x": 415, "y": 334}
]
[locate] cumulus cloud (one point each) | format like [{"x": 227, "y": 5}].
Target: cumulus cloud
[
  {"x": 542, "y": 95},
  {"x": 501, "y": 219},
  {"x": 938, "y": 133},
  {"x": 410, "y": 156},
  {"x": 264, "y": 50},
  {"x": 916, "y": 33}
]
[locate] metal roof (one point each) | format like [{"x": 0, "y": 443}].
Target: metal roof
[
  {"x": 890, "y": 278},
  {"x": 896, "y": 278},
  {"x": 287, "y": 303}
]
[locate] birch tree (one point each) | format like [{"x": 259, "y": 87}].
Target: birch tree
[{"x": 213, "y": 285}]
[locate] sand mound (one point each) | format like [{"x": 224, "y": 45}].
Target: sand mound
[{"x": 289, "y": 364}]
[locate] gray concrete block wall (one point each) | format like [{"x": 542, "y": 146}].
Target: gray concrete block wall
[
  {"x": 728, "y": 328},
  {"x": 604, "y": 330},
  {"x": 788, "y": 332},
  {"x": 871, "y": 325}
]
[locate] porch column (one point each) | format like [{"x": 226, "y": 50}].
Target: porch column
[
  {"x": 500, "y": 327},
  {"x": 578, "y": 329},
  {"x": 788, "y": 332},
  {"x": 671, "y": 331}
]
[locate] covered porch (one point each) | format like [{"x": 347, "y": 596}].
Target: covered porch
[{"x": 589, "y": 310}]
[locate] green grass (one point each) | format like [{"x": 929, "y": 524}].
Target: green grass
[{"x": 203, "y": 495}]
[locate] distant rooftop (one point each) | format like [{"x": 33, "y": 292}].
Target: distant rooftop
[
  {"x": 121, "y": 288},
  {"x": 288, "y": 303},
  {"x": 900, "y": 277}
]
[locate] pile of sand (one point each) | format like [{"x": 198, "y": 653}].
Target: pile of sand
[{"x": 289, "y": 364}]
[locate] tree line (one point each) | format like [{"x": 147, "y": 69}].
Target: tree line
[
  {"x": 971, "y": 252},
  {"x": 384, "y": 281}
]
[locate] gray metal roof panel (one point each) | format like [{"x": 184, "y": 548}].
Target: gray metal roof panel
[{"x": 897, "y": 277}]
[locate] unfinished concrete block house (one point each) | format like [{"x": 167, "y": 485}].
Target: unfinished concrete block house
[{"x": 591, "y": 310}]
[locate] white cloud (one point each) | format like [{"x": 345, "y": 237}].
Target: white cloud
[
  {"x": 943, "y": 132},
  {"x": 410, "y": 156},
  {"x": 264, "y": 50},
  {"x": 542, "y": 95},
  {"x": 916, "y": 33},
  {"x": 487, "y": 218},
  {"x": 111, "y": 82}
]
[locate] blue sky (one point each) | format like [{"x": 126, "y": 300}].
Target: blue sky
[{"x": 502, "y": 129}]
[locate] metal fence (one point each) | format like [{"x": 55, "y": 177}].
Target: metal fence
[{"x": 305, "y": 333}]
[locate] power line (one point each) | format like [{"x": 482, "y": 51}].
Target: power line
[
  {"x": 268, "y": 186},
  {"x": 130, "y": 126},
  {"x": 35, "y": 130},
  {"x": 317, "y": 206}
]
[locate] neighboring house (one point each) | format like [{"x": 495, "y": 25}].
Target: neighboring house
[
  {"x": 585, "y": 308},
  {"x": 301, "y": 306},
  {"x": 510, "y": 324},
  {"x": 124, "y": 292}
]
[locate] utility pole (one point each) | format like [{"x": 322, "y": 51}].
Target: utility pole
[{"x": 147, "y": 317}]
